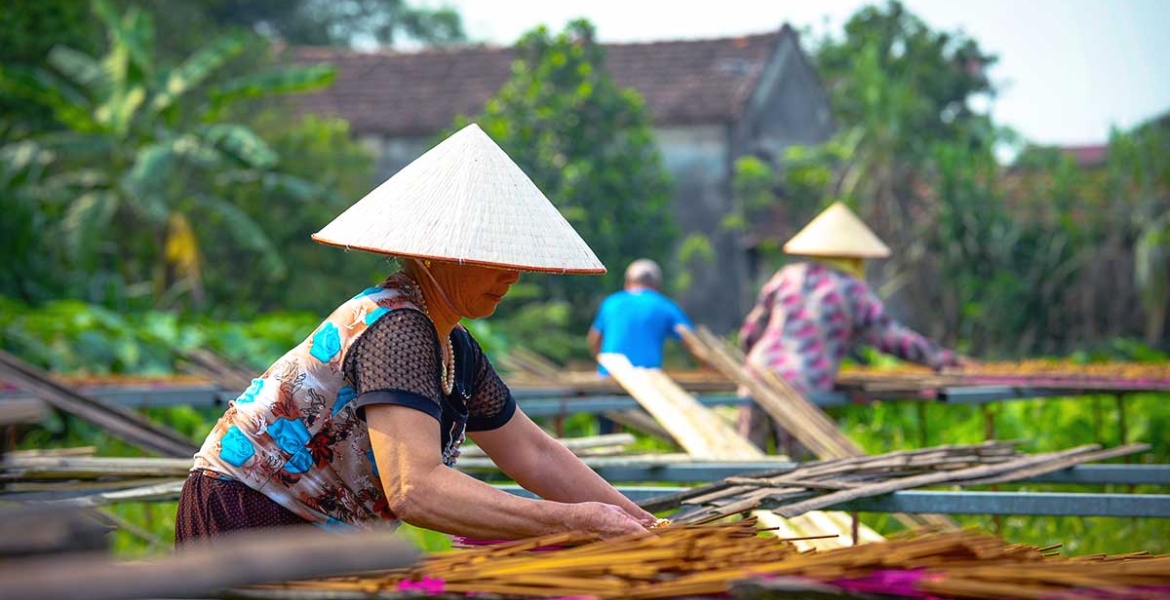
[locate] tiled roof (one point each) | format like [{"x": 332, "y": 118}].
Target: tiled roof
[{"x": 419, "y": 93}]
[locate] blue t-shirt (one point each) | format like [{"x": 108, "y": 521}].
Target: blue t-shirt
[{"x": 636, "y": 324}]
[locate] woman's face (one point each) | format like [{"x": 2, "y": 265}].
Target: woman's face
[{"x": 474, "y": 291}]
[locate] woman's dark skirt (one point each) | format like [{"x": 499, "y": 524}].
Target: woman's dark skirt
[{"x": 211, "y": 505}]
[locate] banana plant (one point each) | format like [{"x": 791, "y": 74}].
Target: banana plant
[{"x": 145, "y": 155}]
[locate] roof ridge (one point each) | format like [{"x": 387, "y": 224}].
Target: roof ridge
[
  {"x": 418, "y": 92},
  {"x": 308, "y": 51}
]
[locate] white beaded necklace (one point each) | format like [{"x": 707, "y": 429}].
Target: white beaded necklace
[{"x": 447, "y": 374}]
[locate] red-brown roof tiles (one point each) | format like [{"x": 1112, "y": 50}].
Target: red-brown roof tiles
[{"x": 419, "y": 93}]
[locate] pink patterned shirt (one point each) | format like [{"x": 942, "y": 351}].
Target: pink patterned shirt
[{"x": 809, "y": 316}]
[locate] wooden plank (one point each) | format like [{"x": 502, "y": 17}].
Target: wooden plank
[
  {"x": 226, "y": 374},
  {"x": 203, "y": 570},
  {"x": 22, "y": 410},
  {"x": 37, "y": 529},
  {"x": 67, "y": 467},
  {"x": 697, "y": 431},
  {"x": 702, "y": 433},
  {"x": 123, "y": 423},
  {"x": 804, "y": 420}
]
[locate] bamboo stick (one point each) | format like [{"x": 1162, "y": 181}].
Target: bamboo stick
[{"x": 198, "y": 571}]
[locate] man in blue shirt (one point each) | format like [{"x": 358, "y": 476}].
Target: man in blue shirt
[{"x": 637, "y": 320}]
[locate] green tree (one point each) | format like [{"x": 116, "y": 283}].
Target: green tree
[
  {"x": 895, "y": 75},
  {"x": 341, "y": 22},
  {"x": 898, "y": 88},
  {"x": 143, "y": 155},
  {"x": 587, "y": 143},
  {"x": 28, "y": 30},
  {"x": 341, "y": 171},
  {"x": 901, "y": 95}
]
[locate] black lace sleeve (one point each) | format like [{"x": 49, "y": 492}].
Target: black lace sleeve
[
  {"x": 491, "y": 405},
  {"x": 396, "y": 361}
]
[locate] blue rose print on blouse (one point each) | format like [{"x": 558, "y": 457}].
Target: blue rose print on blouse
[
  {"x": 292, "y": 435},
  {"x": 374, "y": 314},
  {"x": 326, "y": 343},
  {"x": 335, "y": 525},
  {"x": 344, "y": 395},
  {"x": 249, "y": 394},
  {"x": 235, "y": 447}
]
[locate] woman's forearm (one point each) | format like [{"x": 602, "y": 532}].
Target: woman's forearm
[
  {"x": 452, "y": 502},
  {"x": 562, "y": 477}
]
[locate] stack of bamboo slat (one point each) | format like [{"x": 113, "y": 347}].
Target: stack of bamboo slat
[
  {"x": 703, "y": 435},
  {"x": 695, "y": 427},
  {"x": 799, "y": 417},
  {"x": 822, "y": 484}
]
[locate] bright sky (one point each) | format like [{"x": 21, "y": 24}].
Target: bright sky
[{"x": 1069, "y": 70}]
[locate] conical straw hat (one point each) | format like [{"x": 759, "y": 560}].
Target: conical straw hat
[
  {"x": 464, "y": 201},
  {"x": 837, "y": 232}
]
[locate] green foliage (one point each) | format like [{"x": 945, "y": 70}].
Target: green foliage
[
  {"x": 142, "y": 159},
  {"x": 68, "y": 336},
  {"x": 753, "y": 182},
  {"x": 587, "y": 144},
  {"x": 1043, "y": 258},
  {"x": 906, "y": 84},
  {"x": 29, "y": 29},
  {"x": 331, "y": 172},
  {"x": 340, "y": 23},
  {"x": 693, "y": 250},
  {"x": 544, "y": 328},
  {"x": 186, "y": 26}
]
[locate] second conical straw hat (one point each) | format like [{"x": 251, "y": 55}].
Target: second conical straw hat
[
  {"x": 464, "y": 201},
  {"x": 837, "y": 232}
]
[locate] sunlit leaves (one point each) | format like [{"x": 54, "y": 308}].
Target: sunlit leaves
[
  {"x": 142, "y": 150},
  {"x": 87, "y": 218},
  {"x": 280, "y": 81},
  {"x": 77, "y": 66},
  {"x": 196, "y": 69},
  {"x": 241, "y": 143}
]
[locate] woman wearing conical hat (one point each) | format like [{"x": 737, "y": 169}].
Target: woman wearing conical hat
[
  {"x": 360, "y": 423},
  {"x": 812, "y": 313}
]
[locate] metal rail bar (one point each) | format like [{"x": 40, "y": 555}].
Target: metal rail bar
[
  {"x": 1158, "y": 475},
  {"x": 553, "y": 401},
  {"x": 962, "y": 503}
]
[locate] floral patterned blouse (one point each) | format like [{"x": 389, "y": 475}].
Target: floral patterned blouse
[
  {"x": 809, "y": 316},
  {"x": 298, "y": 433}
]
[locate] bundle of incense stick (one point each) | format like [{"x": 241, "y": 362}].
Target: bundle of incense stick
[{"x": 688, "y": 561}]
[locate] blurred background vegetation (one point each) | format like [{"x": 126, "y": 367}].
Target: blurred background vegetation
[{"x": 158, "y": 193}]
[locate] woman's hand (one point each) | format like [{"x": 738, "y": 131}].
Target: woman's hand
[
  {"x": 607, "y": 520},
  {"x": 645, "y": 518}
]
